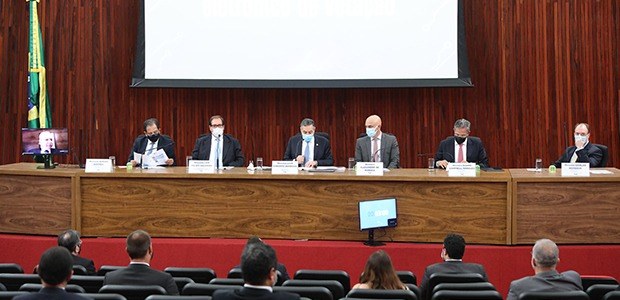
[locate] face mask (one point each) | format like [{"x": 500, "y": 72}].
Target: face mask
[
  {"x": 153, "y": 137},
  {"x": 307, "y": 137},
  {"x": 218, "y": 131},
  {"x": 581, "y": 138},
  {"x": 371, "y": 131},
  {"x": 459, "y": 139}
]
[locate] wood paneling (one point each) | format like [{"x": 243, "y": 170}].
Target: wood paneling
[{"x": 539, "y": 67}]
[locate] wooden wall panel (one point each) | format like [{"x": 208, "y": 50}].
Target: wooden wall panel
[{"x": 538, "y": 68}]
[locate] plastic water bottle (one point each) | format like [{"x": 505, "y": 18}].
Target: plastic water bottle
[{"x": 552, "y": 169}]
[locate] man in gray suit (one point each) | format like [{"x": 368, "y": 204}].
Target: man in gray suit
[
  {"x": 545, "y": 257},
  {"x": 377, "y": 146}
]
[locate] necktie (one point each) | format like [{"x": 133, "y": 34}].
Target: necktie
[
  {"x": 151, "y": 149},
  {"x": 307, "y": 153},
  {"x": 217, "y": 153},
  {"x": 574, "y": 157},
  {"x": 460, "y": 153},
  {"x": 376, "y": 157}
]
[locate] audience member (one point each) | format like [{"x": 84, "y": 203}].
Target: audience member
[
  {"x": 545, "y": 257},
  {"x": 377, "y": 146},
  {"x": 70, "y": 239},
  {"x": 139, "y": 271},
  {"x": 283, "y": 272},
  {"x": 151, "y": 141},
  {"x": 223, "y": 149},
  {"x": 461, "y": 147},
  {"x": 301, "y": 149},
  {"x": 379, "y": 273},
  {"x": 583, "y": 151}
]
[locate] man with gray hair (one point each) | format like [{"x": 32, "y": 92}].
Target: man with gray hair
[
  {"x": 545, "y": 257},
  {"x": 309, "y": 149},
  {"x": 461, "y": 147}
]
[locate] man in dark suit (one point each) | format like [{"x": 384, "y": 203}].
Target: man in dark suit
[
  {"x": 545, "y": 257},
  {"x": 461, "y": 147},
  {"x": 309, "y": 149},
  {"x": 70, "y": 239},
  {"x": 258, "y": 262},
  {"x": 47, "y": 144},
  {"x": 55, "y": 270},
  {"x": 151, "y": 141},
  {"x": 377, "y": 146},
  {"x": 452, "y": 254},
  {"x": 139, "y": 272},
  {"x": 280, "y": 268},
  {"x": 583, "y": 151},
  {"x": 221, "y": 148}
]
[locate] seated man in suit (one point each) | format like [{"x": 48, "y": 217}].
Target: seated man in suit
[
  {"x": 300, "y": 147},
  {"x": 280, "y": 267},
  {"x": 70, "y": 239},
  {"x": 223, "y": 149},
  {"x": 151, "y": 141},
  {"x": 452, "y": 254},
  {"x": 583, "y": 151},
  {"x": 55, "y": 270},
  {"x": 139, "y": 271},
  {"x": 545, "y": 257},
  {"x": 377, "y": 146},
  {"x": 461, "y": 147},
  {"x": 258, "y": 262}
]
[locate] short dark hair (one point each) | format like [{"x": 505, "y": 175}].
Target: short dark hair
[
  {"x": 55, "y": 265},
  {"x": 257, "y": 261},
  {"x": 138, "y": 243},
  {"x": 215, "y": 117},
  {"x": 306, "y": 122},
  {"x": 69, "y": 239},
  {"x": 149, "y": 122},
  {"x": 454, "y": 245}
]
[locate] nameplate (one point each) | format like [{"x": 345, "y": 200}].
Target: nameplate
[
  {"x": 575, "y": 169},
  {"x": 99, "y": 165},
  {"x": 201, "y": 167},
  {"x": 283, "y": 167},
  {"x": 462, "y": 169},
  {"x": 369, "y": 169}
]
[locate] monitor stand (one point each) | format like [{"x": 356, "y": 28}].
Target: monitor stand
[
  {"x": 371, "y": 240},
  {"x": 47, "y": 162}
]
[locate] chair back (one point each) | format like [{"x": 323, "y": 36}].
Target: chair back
[
  {"x": 2, "y": 288},
  {"x": 407, "y": 277},
  {"x": 204, "y": 289},
  {"x": 79, "y": 270},
  {"x": 438, "y": 278},
  {"x": 464, "y": 286},
  {"x": 97, "y": 296},
  {"x": 312, "y": 292},
  {"x": 13, "y": 281},
  {"x": 11, "y": 268},
  {"x": 334, "y": 286},
  {"x": 227, "y": 281},
  {"x": 235, "y": 273},
  {"x": 8, "y": 295},
  {"x": 598, "y": 291},
  {"x": 171, "y": 297},
  {"x": 338, "y": 275},
  {"x": 467, "y": 295},
  {"x": 35, "y": 287},
  {"x": 91, "y": 284},
  {"x": 571, "y": 295},
  {"x": 133, "y": 292},
  {"x": 181, "y": 282},
  {"x": 198, "y": 275},
  {"x": 589, "y": 280},
  {"x": 107, "y": 268},
  {"x": 615, "y": 295},
  {"x": 605, "y": 157},
  {"x": 382, "y": 294}
]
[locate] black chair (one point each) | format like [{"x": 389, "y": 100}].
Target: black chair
[
  {"x": 104, "y": 296},
  {"x": 407, "y": 277},
  {"x": 79, "y": 270},
  {"x": 333, "y": 286},
  {"x": 204, "y": 289},
  {"x": 170, "y": 297},
  {"x": 91, "y": 284},
  {"x": 13, "y": 281},
  {"x": 605, "y": 157},
  {"x": 382, "y": 294},
  {"x": 133, "y": 292},
  {"x": 615, "y": 295},
  {"x": 598, "y": 291},
  {"x": 415, "y": 289},
  {"x": 312, "y": 292},
  {"x": 35, "y": 287},
  {"x": 2, "y": 288},
  {"x": 181, "y": 282},
  {"x": 466, "y": 295},
  {"x": 11, "y": 268},
  {"x": 8, "y": 295},
  {"x": 572, "y": 295},
  {"x": 227, "y": 281},
  {"x": 338, "y": 275},
  {"x": 467, "y": 286},
  {"x": 438, "y": 278},
  {"x": 106, "y": 268},
  {"x": 198, "y": 275},
  {"x": 590, "y": 280}
]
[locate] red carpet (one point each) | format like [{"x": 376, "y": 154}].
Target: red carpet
[{"x": 503, "y": 263}]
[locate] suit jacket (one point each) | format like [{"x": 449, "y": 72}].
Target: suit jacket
[
  {"x": 448, "y": 267},
  {"x": 551, "y": 281},
  {"x": 390, "y": 154},
  {"x": 87, "y": 263},
  {"x": 322, "y": 150},
  {"x": 52, "y": 294},
  {"x": 231, "y": 150},
  {"x": 475, "y": 151},
  {"x": 139, "y": 274},
  {"x": 165, "y": 142},
  {"x": 252, "y": 293},
  {"x": 589, "y": 154}
]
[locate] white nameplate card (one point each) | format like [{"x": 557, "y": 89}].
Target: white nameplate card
[
  {"x": 281, "y": 167},
  {"x": 201, "y": 167},
  {"x": 576, "y": 169},
  {"x": 99, "y": 165},
  {"x": 462, "y": 169},
  {"x": 369, "y": 169}
]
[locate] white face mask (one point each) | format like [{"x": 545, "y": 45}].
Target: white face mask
[
  {"x": 583, "y": 138},
  {"x": 218, "y": 131}
]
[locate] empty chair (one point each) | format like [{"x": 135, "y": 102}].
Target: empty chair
[
  {"x": 598, "y": 291},
  {"x": 104, "y": 296},
  {"x": 170, "y": 297},
  {"x": 572, "y": 295},
  {"x": 133, "y": 292},
  {"x": 181, "y": 282},
  {"x": 11, "y": 268},
  {"x": 206, "y": 289},
  {"x": 438, "y": 278},
  {"x": 467, "y": 295},
  {"x": 91, "y": 284},
  {"x": 227, "y": 281},
  {"x": 8, "y": 295},
  {"x": 12, "y": 281},
  {"x": 312, "y": 292},
  {"x": 382, "y": 294},
  {"x": 333, "y": 286},
  {"x": 615, "y": 295},
  {"x": 605, "y": 157},
  {"x": 589, "y": 280},
  {"x": 35, "y": 287},
  {"x": 338, "y": 275},
  {"x": 464, "y": 286},
  {"x": 106, "y": 268},
  {"x": 407, "y": 277},
  {"x": 198, "y": 275},
  {"x": 79, "y": 270}
]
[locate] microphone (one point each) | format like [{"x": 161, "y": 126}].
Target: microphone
[
  {"x": 372, "y": 157},
  {"x": 76, "y": 159}
]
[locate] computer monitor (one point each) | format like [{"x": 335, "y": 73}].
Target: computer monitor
[
  {"x": 45, "y": 142},
  {"x": 376, "y": 214}
]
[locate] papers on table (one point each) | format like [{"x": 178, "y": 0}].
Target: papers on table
[
  {"x": 158, "y": 158},
  {"x": 601, "y": 172}
]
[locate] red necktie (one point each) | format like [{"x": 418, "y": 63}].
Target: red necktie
[{"x": 460, "y": 153}]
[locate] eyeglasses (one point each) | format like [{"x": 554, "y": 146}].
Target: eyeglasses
[{"x": 217, "y": 125}]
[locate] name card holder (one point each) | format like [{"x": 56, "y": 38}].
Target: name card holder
[
  {"x": 201, "y": 167},
  {"x": 284, "y": 167},
  {"x": 461, "y": 169},
  {"x": 575, "y": 169},
  {"x": 369, "y": 169},
  {"x": 99, "y": 165}
]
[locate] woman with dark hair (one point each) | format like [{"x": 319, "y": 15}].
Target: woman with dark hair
[{"x": 380, "y": 274}]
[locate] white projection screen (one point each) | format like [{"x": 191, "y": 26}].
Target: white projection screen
[{"x": 301, "y": 44}]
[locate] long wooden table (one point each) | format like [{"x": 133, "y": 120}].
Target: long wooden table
[{"x": 492, "y": 208}]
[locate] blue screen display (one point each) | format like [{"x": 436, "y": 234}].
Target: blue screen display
[{"x": 377, "y": 213}]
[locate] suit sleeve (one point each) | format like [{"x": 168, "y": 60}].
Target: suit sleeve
[
  {"x": 90, "y": 268},
  {"x": 593, "y": 155},
  {"x": 512, "y": 293},
  {"x": 327, "y": 159},
  {"x": 169, "y": 149},
  {"x": 358, "y": 151},
  {"x": 289, "y": 152},
  {"x": 440, "y": 153},
  {"x": 134, "y": 148},
  {"x": 394, "y": 155},
  {"x": 171, "y": 286},
  {"x": 239, "y": 159},
  {"x": 424, "y": 286},
  {"x": 483, "y": 160},
  {"x": 196, "y": 150}
]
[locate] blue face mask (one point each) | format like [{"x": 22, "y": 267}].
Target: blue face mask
[
  {"x": 371, "y": 131},
  {"x": 307, "y": 137}
]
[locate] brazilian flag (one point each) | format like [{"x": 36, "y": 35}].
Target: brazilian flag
[{"x": 39, "y": 111}]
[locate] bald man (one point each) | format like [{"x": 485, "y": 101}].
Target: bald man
[
  {"x": 545, "y": 257},
  {"x": 583, "y": 151},
  {"x": 377, "y": 146}
]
